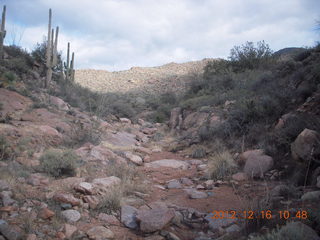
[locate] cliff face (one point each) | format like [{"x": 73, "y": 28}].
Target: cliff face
[{"x": 149, "y": 80}]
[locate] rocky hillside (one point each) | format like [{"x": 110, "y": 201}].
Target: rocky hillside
[{"x": 142, "y": 79}]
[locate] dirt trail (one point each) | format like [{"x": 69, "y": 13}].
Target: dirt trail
[{"x": 222, "y": 198}]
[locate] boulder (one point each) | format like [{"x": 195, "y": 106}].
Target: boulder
[
  {"x": 216, "y": 224},
  {"x": 100, "y": 233},
  {"x": 71, "y": 215},
  {"x": 84, "y": 187},
  {"x": 186, "y": 181},
  {"x": 240, "y": 176},
  {"x": 149, "y": 131},
  {"x": 108, "y": 219},
  {"x": 154, "y": 219},
  {"x": 128, "y": 216},
  {"x": 58, "y": 102},
  {"x": 4, "y": 185},
  {"x": 243, "y": 157},
  {"x": 194, "y": 194},
  {"x": 10, "y": 232},
  {"x": 304, "y": 230},
  {"x": 311, "y": 196},
  {"x": 174, "y": 184},
  {"x": 134, "y": 158},
  {"x": 170, "y": 163},
  {"x": 106, "y": 182},
  {"x": 125, "y": 120},
  {"x": 306, "y": 145},
  {"x": 66, "y": 198},
  {"x": 69, "y": 230},
  {"x": 46, "y": 213},
  {"x": 257, "y": 165}
]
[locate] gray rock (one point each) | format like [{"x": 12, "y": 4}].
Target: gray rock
[
  {"x": 280, "y": 190},
  {"x": 186, "y": 181},
  {"x": 6, "y": 198},
  {"x": 4, "y": 186},
  {"x": 233, "y": 228},
  {"x": 311, "y": 196},
  {"x": 71, "y": 215},
  {"x": 100, "y": 233},
  {"x": 170, "y": 163},
  {"x": 318, "y": 182},
  {"x": 306, "y": 231},
  {"x": 307, "y": 142},
  {"x": 194, "y": 194},
  {"x": 215, "y": 224},
  {"x": 156, "y": 218},
  {"x": 240, "y": 176},
  {"x": 128, "y": 216},
  {"x": 174, "y": 184},
  {"x": 256, "y": 166},
  {"x": 202, "y": 167},
  {"x": 134, "y": 158},
  {"x": 10, "y": 232}
]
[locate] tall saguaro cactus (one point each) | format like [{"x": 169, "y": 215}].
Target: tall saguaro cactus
[
  {"x": 2, "y": 31},
  {"x": 69, "y": 66},
  {"x": 52, "y": 52}
]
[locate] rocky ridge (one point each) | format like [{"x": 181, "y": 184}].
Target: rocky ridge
[{"x": 142, "y": 79}]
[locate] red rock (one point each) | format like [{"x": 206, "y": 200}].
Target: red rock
[
  {"x": 46, "y": 213},
  {"x": 66, "y": 198},
  {"x": 109, "y": 219},
  {"x": 60, "y": 235},
  {"x": 7, "y": 209},
  {"x": 69, "y": 230},
  {"x": 149, "y": 131},
  {"x": 31, "y": 237},
  {"x": 84, "y": 187}
]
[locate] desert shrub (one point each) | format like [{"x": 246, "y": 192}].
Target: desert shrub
[
  {"x": 290, "y": 231},
  {"x": 205, "y": 100},
  {"x": 9, "y": 76},
  {"x": 111, "y": 201},
  {"x": 123, "y": 109},
  {"x": 168, "y": 98},
  {"x": 216, "y": 67},
  {"x": 58, "y": 163},
  {"x": 6, "y": 151},
  {"x": 302, "y": 55},
  {"x": 221, "y": 165},
  {"x": 122, "y": 171},
  {"x": 199, "y": 152},
  {"x": 249, "y": 56}
]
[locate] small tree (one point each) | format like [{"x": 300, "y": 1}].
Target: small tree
[{"x": 249, "y": 56}]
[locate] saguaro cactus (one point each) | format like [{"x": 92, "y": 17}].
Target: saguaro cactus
[
  {"x": 2, "y": 31},
  {"x": 69, "y": 66},
  {"x": 52, "y": 53}
]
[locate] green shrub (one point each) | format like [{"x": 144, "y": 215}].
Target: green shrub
[
  {"x": 249, "y": 56},
  {"x": 221, "y": 165},
  {"x": 58, "y": 163}
]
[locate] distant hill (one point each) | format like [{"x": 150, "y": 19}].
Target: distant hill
[
  {"x": 149, "y": 80},
  {"x": 287, "y": 53}
]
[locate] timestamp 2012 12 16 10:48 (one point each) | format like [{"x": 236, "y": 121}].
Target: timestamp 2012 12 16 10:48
[{"x": 264, "y": 214}]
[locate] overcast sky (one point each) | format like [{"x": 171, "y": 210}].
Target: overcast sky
[{"x": 118, "y": 34}]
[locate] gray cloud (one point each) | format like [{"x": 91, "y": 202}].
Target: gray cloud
[{"x": 119, "y": 34}]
